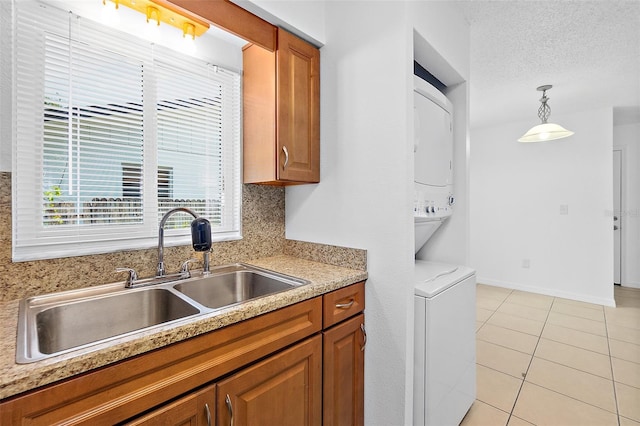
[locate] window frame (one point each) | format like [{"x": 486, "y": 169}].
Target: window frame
[{"x": 62, "y": 244}]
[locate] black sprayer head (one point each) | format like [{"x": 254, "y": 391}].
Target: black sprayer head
[{"x": 201, "y": 234}]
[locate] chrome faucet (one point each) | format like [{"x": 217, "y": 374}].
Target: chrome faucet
[{"x": 160, "y": 272}]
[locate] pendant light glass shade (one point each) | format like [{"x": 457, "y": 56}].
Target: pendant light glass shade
[{"x": 545, "y": 131}]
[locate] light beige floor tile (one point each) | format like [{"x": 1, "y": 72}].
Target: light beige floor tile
[
  {"x": 524, "y": 311},
  {"x": 576, "y": 384},
  {"x": 513, "y": 322},
  {"x": 576, "y": 323},
  {"x": 628, "y": 422},
  {"x": 627, "y": 302},
  {"x": 579, "y": 311},
  {"x": 481, "y": 414},
  {"x": 533, "y": 300},
  {"x": 544, "y": 407},
  {"x": 483, "y": 314},
  {"x": 574, "y": 357},
  {"x": 624, "y": 350},
  {"x": 490, "y": 292},
  {"x": 628, "y": 292},
  {"x": 625, "y": 334},
  {"x": 577, "y": 338},
  {"x": 516, "y": 421},
  {"x": 628, "y": 398},
  {"x": 487, "y": 303},
  {"x": 626, "y": 317},
  {"x": 626, "y": 372},
  {"x": 497, "y": 389},
  {"x": 509, "y": 338},
  {"x": 479, "y": 325},
  {"x": 502, "y": 359},
  {"x": 578, "y": 303}
]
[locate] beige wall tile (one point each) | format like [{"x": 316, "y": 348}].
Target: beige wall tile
[
  {"x": 542, "y": 406},
  {"x": 626, "y": 372},
  {"x": 624, "y": 350},
  {"x": 524, "y": 311},
  {"x": 482, "y": 414},
  {"x": 509, "y": 338},
  {"x": 628, "y": 398},
  {"x": 502, "y": 359},
  {"x": 577, "y": 338},
  {"x": 579, "y": 311},
  {"x": 574, "y": 357},
  {"x": 577, "y": 384},
  {"x": 576, "y": 323},
  {"x": 513, "y": 322},
  {"x": 497, "y": 389}
]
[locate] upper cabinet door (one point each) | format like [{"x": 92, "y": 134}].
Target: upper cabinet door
[{"x": 298, "y": 109}]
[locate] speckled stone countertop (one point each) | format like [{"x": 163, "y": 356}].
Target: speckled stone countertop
[{"x": 18, "y": 378}]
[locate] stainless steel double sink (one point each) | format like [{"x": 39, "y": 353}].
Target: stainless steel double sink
[{"x": 58, "y": 323}]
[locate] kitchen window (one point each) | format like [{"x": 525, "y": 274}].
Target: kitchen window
[{"x": 111, "y": 132}]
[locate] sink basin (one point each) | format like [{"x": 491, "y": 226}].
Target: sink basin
[
  {"x": 229, "y": 288},
  {"x": 55, "y": 323},
  {"x": 58, "y": 323}
]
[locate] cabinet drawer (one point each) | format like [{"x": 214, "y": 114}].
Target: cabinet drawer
[{"x": 342, "y": 304}]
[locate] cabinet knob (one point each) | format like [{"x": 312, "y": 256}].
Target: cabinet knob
[
  {"x": 345, "y": 305},
  {"x": 208, "y": 413},
  {"x": 364, "y": 337}
]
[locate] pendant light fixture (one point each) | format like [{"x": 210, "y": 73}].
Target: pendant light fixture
[{"x": 545, "y": 131}]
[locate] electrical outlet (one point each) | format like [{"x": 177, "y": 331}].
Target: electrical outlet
[{"x": 526, "y": 263}]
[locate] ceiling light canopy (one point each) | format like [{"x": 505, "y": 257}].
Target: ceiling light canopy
[
  {"x": 158, "y": 11},
  {"x": 545, "y": 131}
]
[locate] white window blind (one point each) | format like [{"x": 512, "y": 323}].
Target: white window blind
[{"x": 111, "y": 132}]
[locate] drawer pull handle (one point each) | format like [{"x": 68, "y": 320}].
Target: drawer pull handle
[
  {"x": 364, "y": 337},
  {"x": 345, "y": 305},
  {"x": 208, "y": 413},
  {"x": 286, "y": 157},
  {"x": 230, "y": 408}
]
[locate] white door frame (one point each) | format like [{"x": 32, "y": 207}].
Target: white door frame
[{"x": 620, "y": 215}]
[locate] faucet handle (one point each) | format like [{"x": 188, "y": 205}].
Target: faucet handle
[
  {"x": 133, "y": 275},
  {"x": 184, "y": 269}
]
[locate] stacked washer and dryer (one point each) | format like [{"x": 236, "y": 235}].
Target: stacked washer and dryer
[{"x": 444, "y": 337}]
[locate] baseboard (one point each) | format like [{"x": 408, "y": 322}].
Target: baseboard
[{"x": 549, "y": 292}]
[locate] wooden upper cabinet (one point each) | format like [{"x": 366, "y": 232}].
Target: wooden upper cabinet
[{"x": 281, "y": 95}]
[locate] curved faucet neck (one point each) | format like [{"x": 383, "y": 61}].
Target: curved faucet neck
[{"x": 161, "y": 269}]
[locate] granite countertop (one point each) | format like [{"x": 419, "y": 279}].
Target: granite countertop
[{"x": 18, "y": 378}]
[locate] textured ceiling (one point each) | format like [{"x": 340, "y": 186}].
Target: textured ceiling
[{"x": 588, "y": 50}]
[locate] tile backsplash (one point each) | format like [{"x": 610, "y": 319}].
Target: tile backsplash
[{"x": 262, "y": 229}]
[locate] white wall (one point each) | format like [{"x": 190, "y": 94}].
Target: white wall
[
  {"x": 303, "y": 18},
  {"x": 364, "y": 198},
  {"x": 516, "y": 193},
  {"x": 627, "y": 138}
]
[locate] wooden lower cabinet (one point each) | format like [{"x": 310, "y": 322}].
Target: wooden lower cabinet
[
  {"x": 195, "y": 409},
  {"x": 283, "y": 390},
  {"x": 281, "y": 368},
  {"x": 343, "y": 373}
]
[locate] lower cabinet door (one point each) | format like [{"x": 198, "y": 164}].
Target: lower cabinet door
[
  {"x": 343, "y": 388},
  {"x": 284, "y": 389},
  {"x": 195, "y": 409}
]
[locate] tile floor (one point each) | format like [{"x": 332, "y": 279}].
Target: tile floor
[{"x": 544, "y": 360}]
